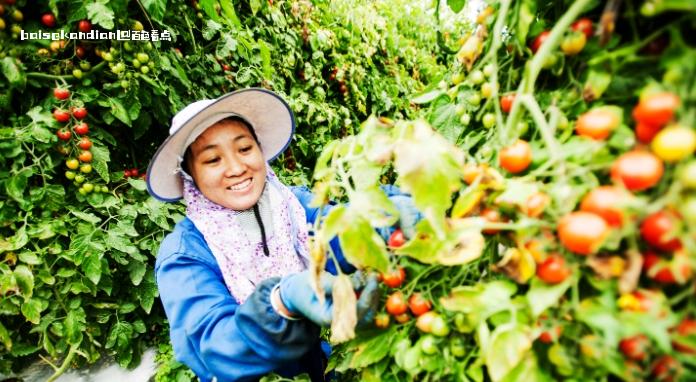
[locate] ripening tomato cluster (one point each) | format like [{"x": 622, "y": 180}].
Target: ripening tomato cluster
[
  {"x": 129, "y": 62},
  {"x": 573, "y": 42},
  {"x": 75, "y": 142},
  {"x": 15, "y": 17},
  {"x": 471, "y": 92}
]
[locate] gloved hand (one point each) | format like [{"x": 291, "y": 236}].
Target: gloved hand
[
  {"x": 368, "y": 302},
  {"x": 298, "y": 297},
  {"x": 408, "y": 214}
]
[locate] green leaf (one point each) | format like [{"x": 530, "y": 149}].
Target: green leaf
[
  {"x": 16, "y": 185},
  {"x": 91, "y": 266},
  {"x": 31, "y": 309},
  {"x": 516, "y": 193},
  {"x": 373, "y": 205},
  {"x": 155, "y": 8},
  {"x": 72, "y": 326},
  {"x": 371, "y": 350},
  {"x": 541, "y": 296},
  {"x": 5, "y": 338},
  {"x": 525, "y": 18},
  {"x": 596, "y": 84},
  {"x": 509, "y": 345},
  {"x": 119, "y": 111},
  {"x": 363, "y": 247},
  {"x": 86, "y": 216},
  {"x": 147, "y": 291},
  {"x": 25, "y": 281},
  {"x": 13, "y": 72},
  {"x": 19, "y": 240},
  {"x": 265, "y": 54},
  {"x": 209, "y": 9},
  {"x": 29, "y": 258},
  {"x": 100, "y": 14},
  {"x": 427, "y": 96},
  {"x": 255, "y": 5},
  {"x": 120, "y": 335},
  {"x": 101, "y": 157},
  {"x": 230, "y": 14},
  {"x": 456, "y": 5},
  {"x": 136, "y": 271},
  {"x": 482, "y": 300}
]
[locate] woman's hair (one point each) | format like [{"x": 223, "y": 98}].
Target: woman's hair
[{"x": 188, "y": 155}]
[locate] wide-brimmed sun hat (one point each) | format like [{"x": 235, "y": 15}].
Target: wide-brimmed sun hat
[{"x": 268, "y": 114}]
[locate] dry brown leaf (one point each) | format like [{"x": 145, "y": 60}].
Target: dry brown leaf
[
  {"x": 628, "y": 282},
  {"x": 607, "y": 267},
  {"x": 345, "y": 316},
  {"x": 317, "y": 253}
]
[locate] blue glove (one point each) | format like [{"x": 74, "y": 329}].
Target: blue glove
[
  {"x": 368, "y": 303},
  {"x": 298, "y": 297},
  {"x": 408, "y": 214}
]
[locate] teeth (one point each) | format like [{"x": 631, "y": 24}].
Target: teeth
[{"x": 240, "y": 186}]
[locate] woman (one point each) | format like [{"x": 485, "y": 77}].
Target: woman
[{"x": 231, "y": 275}]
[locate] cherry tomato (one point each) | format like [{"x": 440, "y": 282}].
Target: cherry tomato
[
  {"x": 81, "y": 128},
  {"x": 597, "y": 123},
  {"x": 419, "y": 304},
  {"x": 84, "y": 26},
  {"x": 488, "y": 120},
  {"x": 476, "y": 77},
  {"x": 686, "y": 328},
  {"x": 80, "y": 53},
  {"x": 84, "y": 143},
  {"x": 72, "y": 164},
  {"x": 645, "y": 132},
  {"x": 506, "y": 102},
  {"x": 583, "y": 25},
  {"x": 63, "y": 134},
  {"x": 535, "y": 204},
  {"x": 553, "y": 270},
  {"x": 127, "y": 174},
  {"x": 662, "y": 271},
  {"x": 666, "y": 369},
  {"x": 61, "y": 93},
  {"x": 396, "y": 239},
  {"x": 638, "y": 170},
  {"x": 491, "y": 215},
  {"x": 424, "y": 322},
  {"x": 61, "y": 115},
  {"x": 687, "y": 175},
  {"x": 635, "y": 348},
  {"x": 457, "y": 347},
  {"x": 550, "y": 336},
  {"x": 428, "y": 345},
  {"x": 573, "y": 44},
  {"x": 582, "y": 232},
  {"x": 85, "y": 156},
  {"x": 656, "y": 109},
  {"x": 134, "y": 172},
  {"x": 516, "y": 157},
  {"x": 393, "y": 279},
  {"x": 660, "y": 231},
  {"x": 86, "y": 168},
  {"x": 396, "y": 304},
  {"x": 674, "y": 143},
  {"x": 439, "y": 326},
  {"x": 382, "y": 320},
  {"x": 536, "y": 44},
  {"x": 48, "y": 19},
  {"x": 402, "y": 318},
  {"x": 79, "y": 112},
  {"x": 606, "y": 201}
]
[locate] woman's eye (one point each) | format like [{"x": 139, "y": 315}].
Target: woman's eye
[
  {"x": 246, "y": 149},
  {"x": 211, "y": 160}
]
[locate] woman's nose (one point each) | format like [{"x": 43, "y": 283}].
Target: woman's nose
[{"x": 234, "y": 167}]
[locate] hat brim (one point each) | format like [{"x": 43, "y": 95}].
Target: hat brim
[{"x": 270, "y": 116}]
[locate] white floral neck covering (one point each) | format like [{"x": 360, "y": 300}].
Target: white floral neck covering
[{"x": 239, "y": 253}]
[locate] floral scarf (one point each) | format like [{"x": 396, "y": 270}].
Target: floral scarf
[{"x": 241, "y": 259}]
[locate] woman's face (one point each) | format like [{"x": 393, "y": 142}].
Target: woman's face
[{"x": 228, "y": 166}]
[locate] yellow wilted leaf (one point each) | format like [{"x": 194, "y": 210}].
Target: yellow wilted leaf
[
  {"x": 345, "y": 316},
  {"x": 466, "y": 202},
  {"x": 465, "y": 243},
  {"x": 317, "y": 253},
  {"x": 518, "y": 264},
  {"x": 472, "y": 48}
]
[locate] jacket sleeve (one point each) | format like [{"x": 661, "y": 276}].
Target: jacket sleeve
[{"x": 216, "y": 336}]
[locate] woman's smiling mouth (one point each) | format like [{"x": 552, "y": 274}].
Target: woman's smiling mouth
[{"x": 242, "y": 185}]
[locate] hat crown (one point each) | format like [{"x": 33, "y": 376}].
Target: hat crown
[{"x": 187, "y": 113}]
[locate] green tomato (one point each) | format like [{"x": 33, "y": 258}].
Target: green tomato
[
  {"x": 79, "y": 178},
  {"x": 77, "y": 73},
  {"x": 457, "y": 78},
  {"x": 72, "y": 164},
  {"x": 124, "y": 84},
  {"x": 488, "y": 120},
  {"x": 439, "y": 326},
  {"x": 104, "y": 189},
  {"x": 88, "y": 187},
  {"x": 136, "y": 63},
  {"x": 85, "y": 65},
  {"x": 70, "y": 175},
  {"x": 463, "y": 324},
  {"x": 474, "y": 99},
  {"x": 107, "y": 57},
  {"x": 127, "y": 46},
  {"x": 488, "y": 70},
  {"x": 476, "y": 77},
  {"x": 465, "y": 119},
  {"x": 460, "y": 109},
  {"x": 689, "y": 211},
  {"x": 687, "y": 175},
  {"x": 428, "y": 344},
  {"x": 143, "y": 58},
  {"x": 457, "y": 347},
  {"x": 86, "y": 168},
  {"x": 82, "y": 191},
  {"x": 144, "y": 69}
]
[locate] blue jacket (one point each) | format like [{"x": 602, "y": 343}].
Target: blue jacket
[{"x": 217, "y": 337}]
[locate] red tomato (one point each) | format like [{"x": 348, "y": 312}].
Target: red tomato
[
  {"x": 396, "y": 304},
  {"x": 638, "y": 170},
  {"x": 79, "y": 112},
  {"x": 536, "y": 204},
  {"x": 662, "y": 270},
  {"x": 61, "y": 93},
  {"x": 573, "y": 43},
  {"x": 80, "y": 52},
  {"x": 646, "y": 132},
  {"x": 597, "y": 124},
  {"x": 61, "y": 115},
  {"x": 666, "y": 369},
  {"x": 516, "y": 157},
  {"x": 134, "y": 172},
  {"x": 635, "y": 348},
  {"x": 84, "y": 143},
  {"x": 656, "y": 109},
  {"x": 660, "y": 231},
  {"x": 553, "y": 270},
  {"x": 582, "y": 232},
  {"x": 81, "y": 128},
  {"x": 85, "y": 156},
  {"x": 550, "y": 336},
  {"x": 583, "y": 25},
  {"x": 419, "y": 304},
  {"x": 63, "y": 134},
  {"x": 84, "y": 26},
  {"x": 492, "y": 215},
  {"x": 127, "y": 174},
  {"x": 396, "y": 239},
  {"x": 506, "y": 102},
  {"x": 605, "y": 201},
  {"x": 392, "y": 279},
  {"x": 687, "y": 327},
  {"x": 536, "y": 44},
  {"x": 48, "y": 19}
]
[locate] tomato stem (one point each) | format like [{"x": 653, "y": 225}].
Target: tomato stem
[{"x": 64, "y": 366}]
